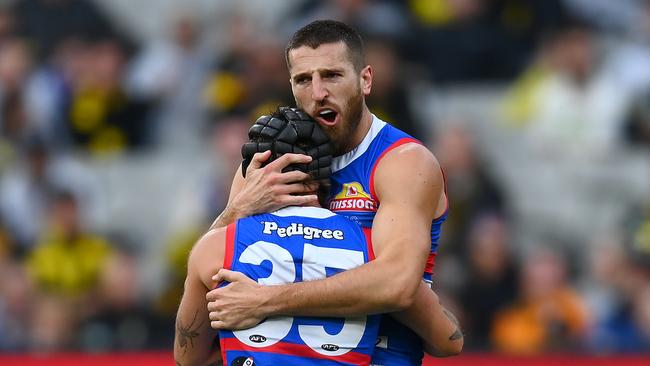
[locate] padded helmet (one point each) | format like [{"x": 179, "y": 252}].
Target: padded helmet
[{"x": 290, "y": 130}]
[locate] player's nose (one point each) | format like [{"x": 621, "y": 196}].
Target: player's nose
[{"x": 318, "y": 90}]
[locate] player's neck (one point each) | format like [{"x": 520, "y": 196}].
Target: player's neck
[{"x": 364, "y": 126}]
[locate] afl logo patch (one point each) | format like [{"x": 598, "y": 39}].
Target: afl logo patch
[
  {"x": 330, "y": 347},
  {"x": 257, "y": 338}
]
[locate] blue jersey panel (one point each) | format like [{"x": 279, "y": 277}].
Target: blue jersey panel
[{"x": 294, "y": 245}]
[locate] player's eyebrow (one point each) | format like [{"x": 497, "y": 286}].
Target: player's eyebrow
[{"x": 319, "y": 71}]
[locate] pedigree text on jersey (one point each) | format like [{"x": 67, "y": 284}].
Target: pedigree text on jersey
[{"x": 307, "y": 232}]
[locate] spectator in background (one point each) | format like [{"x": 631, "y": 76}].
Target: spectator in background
[
  {"x": 15, "y": 126},
  {"x": 378, "y": 18},
  {"x": 390, "y": 99},
  {"x": 171, "y": 72},
  {"x": 48, "y": 22},
  {"x": 26, "y": 185},
  {"x": 491, "y": 279},
  {"x": 250, "y": 77},
  {"x": 52, "y": 324},
  {"x": 7, "y": 24},
  {"x": 16, "y": 306},
  {"x": 471, "y": 189},
  {"x": 548, "y": 314},
  {"x": 569, "y": 107},
  {"x": 228, "y": 136},
  {"x": 122, "y": 322},
  {"x": 23, "y": 193},
  {"x": 68, "y": 260},
  {"x": 6, "y": 243},
  {"x": 618, "y": 291},
  {"x": 100, "y": 116},
  {"x": 637, "y": 124},
  {"x": 477, "y": 40}
]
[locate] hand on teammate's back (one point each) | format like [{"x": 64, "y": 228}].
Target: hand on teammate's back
[
  {"x": 268, "y": 189},
  {"x": 234, "y": 306}
]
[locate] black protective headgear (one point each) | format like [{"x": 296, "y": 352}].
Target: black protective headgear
[{"x": 290, "y": 130}]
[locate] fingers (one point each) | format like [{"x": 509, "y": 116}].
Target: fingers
[
  {"x": 306, "y": 200},
  {"x": 293, "y": 176},
  {"x": 214, "y": 315},
  {"x": 258, "y": 159},
  {"x": 298, "y": 188},
  {"x": 287, "y": 159},
  {"x": 219, "y": 276},
  {"x": 217, "y": 324},
  {"x": 211, "y": 296},
  {"x": 228, "y": 276}
]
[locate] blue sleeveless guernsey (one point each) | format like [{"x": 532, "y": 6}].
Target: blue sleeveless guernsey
[
  {"x": 292, "y": 245},
  {"x": 353, "y": 195}
]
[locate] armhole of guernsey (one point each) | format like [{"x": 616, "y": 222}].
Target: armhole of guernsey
[
  {"x": 231, "y": 230},
  {"x": 394, "y": 145},
  {"x": 367, "y": 232},
  {"x": 444, "y": 187}
]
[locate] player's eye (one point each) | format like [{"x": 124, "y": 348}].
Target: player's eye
[
  {"x": 301, "y": 80},
  {"x": 331, "y": 75}
]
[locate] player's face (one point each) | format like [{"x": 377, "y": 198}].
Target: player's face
[{"x": 326, "y": 85}]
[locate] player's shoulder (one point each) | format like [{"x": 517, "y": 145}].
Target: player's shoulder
[
  {"x": 404, "y": 146},
  {"x": 206, "y": 245},
  {"x": 410, "y": 154},
  {"x": 208, "y": 251}
]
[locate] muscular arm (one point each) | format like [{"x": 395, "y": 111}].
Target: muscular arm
[
  {"x": 194, "y": 342},
  {"x": 408, "y": 183},
  {"x": 437, "y": 326}
]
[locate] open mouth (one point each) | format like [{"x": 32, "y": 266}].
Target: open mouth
[{"x": 328, "y": 116}]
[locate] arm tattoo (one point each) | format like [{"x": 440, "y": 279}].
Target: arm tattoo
[
  {"x": 457, "y": 333},
  {"x": 186, "y": 334}
]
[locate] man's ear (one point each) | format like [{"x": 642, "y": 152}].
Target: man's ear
[{"x": 366, "y": 80}]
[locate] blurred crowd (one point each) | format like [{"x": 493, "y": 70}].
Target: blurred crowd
[{"x": 117, "y": 151}]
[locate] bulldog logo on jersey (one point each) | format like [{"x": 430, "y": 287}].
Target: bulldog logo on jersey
[
  {"x": 243, "y": 361},
  {"x": 353, "y": 198}
]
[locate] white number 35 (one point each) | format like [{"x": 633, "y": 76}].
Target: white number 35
[{"x": 315, "y": 261}]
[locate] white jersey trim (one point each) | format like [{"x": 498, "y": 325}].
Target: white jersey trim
[
  {"x": 313, "y": 212},
  {"x": 344, "y": 160}
]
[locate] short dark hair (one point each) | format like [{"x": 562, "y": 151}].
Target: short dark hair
[{"x": 321, "y": 32}]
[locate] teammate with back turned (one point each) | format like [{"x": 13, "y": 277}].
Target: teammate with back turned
[{"x": 382, "y": 178}]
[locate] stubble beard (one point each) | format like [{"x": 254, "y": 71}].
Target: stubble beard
[{"x": 342, "y": 136}]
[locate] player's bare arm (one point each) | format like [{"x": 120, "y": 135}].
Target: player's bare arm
[
  {"x": 409, "y": 185},
  {"x": 433, "y": 323},
  {"x": 194, "y": 342},
  {"x": 267, "y": 189}
]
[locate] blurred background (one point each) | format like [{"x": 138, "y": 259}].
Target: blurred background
[{"x": 121, "y": 123}]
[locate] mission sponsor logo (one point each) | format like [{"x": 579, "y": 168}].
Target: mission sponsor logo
[
  {"x": 307, "y": 232},
  {"x": 353, "y": 198}
]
